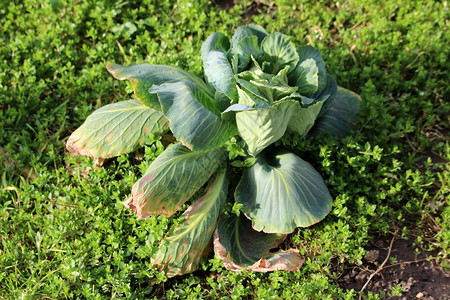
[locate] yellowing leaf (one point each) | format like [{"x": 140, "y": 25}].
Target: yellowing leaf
[
  {"x": 180, "y": 252},
  {"x": 172, "y": 178},
  {"x": 115, "y": 129},
  {"x": 240, "y": 246}
]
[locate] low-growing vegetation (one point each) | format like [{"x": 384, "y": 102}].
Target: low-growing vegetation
[{"x": 64, "y": 232}]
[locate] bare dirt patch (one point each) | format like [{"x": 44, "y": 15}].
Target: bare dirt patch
[{"x": 419, "y": 276}]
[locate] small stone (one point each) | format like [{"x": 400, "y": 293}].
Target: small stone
[
  {"x": 372, "y": 256},
  {"x": 347, "y": 279},
  {"x": 380, "y": 244},
  {"x": 407, "y": 285},
  {"x": 361, "y": 276},
  {"x": 420, "y": 295}
]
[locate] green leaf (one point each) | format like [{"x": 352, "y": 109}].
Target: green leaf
[
  {"x": 240, "y": 246},
  {"x": 230, "y": 113},
  {"x": 180, "y": 252},
  {"x": 220, "y": 75},
  {"x": 281, "y": 78},
  {"x": 211, "y": 104},
  {"x": 216, "y": 41},
  {"x": 116, "y": 128},
  {"x": 327, "y": 94},
  {"x": 273, "y": 93},
  {"x": 279, "y": 52},
  {"x": 249, "y": 99},
  {"x": 221, "y": 100},
  {"x": 269, "y": 87},
  {"x": 261, "y": 127},
  {"x": 144, "y": 76},
  {"x": 248, "y": 162},
  {"x": 172, "y": 178},
  {"x": 338, "y": 119},
  {"x": 245, "y": 49},
  {"x": 234, "y": 60},
  {"x": 235, "y": 148},
  {"x": 237, "y": 107},
  {"x": 309, "y": 52},
  {"x": 282, "y": 192},
  {"x": 250, "y": 95},
  {"x": 307, "y": 78},
  {"x": 303, "y": 118},
  {"x": 248, "y": 31},
  {"x": 191, "y": 123},
  {"x": 125, "y": 30}
]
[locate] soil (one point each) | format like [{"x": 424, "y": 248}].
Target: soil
[
  {"x": 419, "y": 276},
  {"x": 254, "y": 9}
]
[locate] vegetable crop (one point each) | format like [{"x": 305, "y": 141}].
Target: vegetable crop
[{"x": 258, "y": 88}]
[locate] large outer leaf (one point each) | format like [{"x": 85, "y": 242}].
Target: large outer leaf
[
  {"x": 191, "y": 123},
  {"x": 337, "y": 120},
  {"x": 172, "y": 179},
  {"x": 261, "y": 127},
  {"x": 115, "y": 129},
  {"x": 222, "y": 101},
  {"x": 303, "y": 118},
  {"x": 219, "y": 74},
  {"x": 180, "y": 252},
  {"x": 327, "y": 94},
  {"x": 144, "y": 76},
  {"x": 240, "y": 246},
  {"x": 282, "y": 192}
]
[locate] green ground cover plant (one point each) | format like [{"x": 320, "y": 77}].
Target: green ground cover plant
[{"x": 66, "y": 235}]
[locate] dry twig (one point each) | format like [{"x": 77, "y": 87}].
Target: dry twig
[{"x": 381, "y": 266}]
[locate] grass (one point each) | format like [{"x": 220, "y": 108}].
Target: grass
[{"x": 67, "y": 236}]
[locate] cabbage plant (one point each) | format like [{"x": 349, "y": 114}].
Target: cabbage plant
[{"x": 258, "y": 88}]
